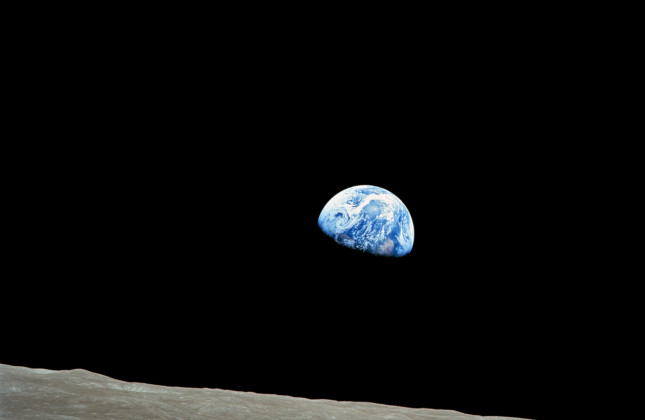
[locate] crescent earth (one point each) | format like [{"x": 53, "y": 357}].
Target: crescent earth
[{"x": 370, "y": 219}]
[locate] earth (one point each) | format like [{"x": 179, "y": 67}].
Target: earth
[{"x": 370, "y": 219}]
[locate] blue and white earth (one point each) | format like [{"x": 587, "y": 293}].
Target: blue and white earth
[{"x": 370, "y": 219}]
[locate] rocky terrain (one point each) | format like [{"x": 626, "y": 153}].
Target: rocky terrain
[{"x": 27, "y": 393}]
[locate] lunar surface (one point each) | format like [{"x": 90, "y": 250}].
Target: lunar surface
[
  {"x": 369, "y": 219},
  {"x": 27, "y": 393}
]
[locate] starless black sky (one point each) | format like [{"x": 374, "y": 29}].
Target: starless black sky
[
  {"x": 168, "y": 234},
  {"x": 205, "y": 267}
]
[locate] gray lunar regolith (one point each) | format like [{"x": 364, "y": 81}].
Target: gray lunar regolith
[{"x": 27, "y": 393}]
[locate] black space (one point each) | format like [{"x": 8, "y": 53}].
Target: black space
[{"x": 164, "y": 229}]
